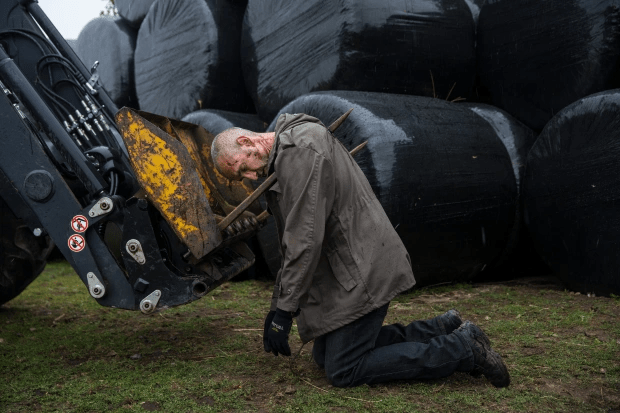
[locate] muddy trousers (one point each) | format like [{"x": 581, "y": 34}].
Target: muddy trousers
[{"x": 365, "y": 352}]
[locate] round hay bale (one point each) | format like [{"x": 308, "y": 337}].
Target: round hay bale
[
  {"x": 475, "y": 6},
  {"x": 535, "y": 57},
  {"x": 440, "y": 171},
  {"x": 216, "y": 121},
  {"x": 516, "y": 137},
  {"x": 571, "y": 191},
  {"x": 72, "y": 43},
  {"x": 133, "y": 11},
  {"x": 187, "y": 57},
  {"x": 519, "y": 256},
  {"x": 112, "y": 42},
  {"x": 292, "y": 47}
]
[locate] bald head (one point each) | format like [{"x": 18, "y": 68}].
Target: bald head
[
  {"x": 225, "y": 142},
  {"x": 239, "y": 153}
]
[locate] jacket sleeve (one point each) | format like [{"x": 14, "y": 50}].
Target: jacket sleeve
[{"x": 307, "y": 194}]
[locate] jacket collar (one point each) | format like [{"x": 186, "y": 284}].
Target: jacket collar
[{"x": 285, "y": 122}]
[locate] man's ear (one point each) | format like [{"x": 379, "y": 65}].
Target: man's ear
[{"x": 244, "y": 141}]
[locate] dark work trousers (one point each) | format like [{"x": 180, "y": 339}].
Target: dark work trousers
[{"x": 364, "y": 351}]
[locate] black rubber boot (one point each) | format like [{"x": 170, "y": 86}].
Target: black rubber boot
[
  {"x": 486, "y": 361},
  {"x": 451, "y": 320}
]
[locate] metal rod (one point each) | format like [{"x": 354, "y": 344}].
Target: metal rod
[
  {"x": 262, "y": 216},
  {"x": 358, "y": 148},
  {"x": 339, "y": 121},
  {"x": 268, "y": 183}
]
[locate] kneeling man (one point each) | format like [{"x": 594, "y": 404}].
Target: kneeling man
[{"x": 342, "y": 263}]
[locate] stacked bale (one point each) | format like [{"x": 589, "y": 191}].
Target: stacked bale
[
  {"x": 519, "y": 256},
  {"x": 518, "y": 140},
  {"x": 292, "y": 47},
  {"x": 475, "y": 6},
  {"x": 516, "y": 137},
  {"x": 112, "y": 42},
  {"x": 537, "y": 56},
  {"x": 449, "y": 176},
  {"x": 133, "y": 11},
  {"x": 72, "y": 43},
  {"x": 187, "y": 57},
  {"x": 440, "y": 171},
  {"x": 572, "y": 193},
  {"x": 215, "y": 121}
]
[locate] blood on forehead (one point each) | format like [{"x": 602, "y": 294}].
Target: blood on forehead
[
  {"x": 228, "y": 164},
  {"x": 229, "y": 160}
]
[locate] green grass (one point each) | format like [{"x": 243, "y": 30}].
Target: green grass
[{"x": 61, "y": 351}]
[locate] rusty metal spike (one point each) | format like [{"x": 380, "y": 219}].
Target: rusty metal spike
[
  {"x": 358, "y": 148},
  {"x": 339, "y": 121}
]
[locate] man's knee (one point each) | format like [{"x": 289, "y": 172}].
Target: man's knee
[
  {"x": 340, "y": 381},
  {"x": 341, "y": 378}
]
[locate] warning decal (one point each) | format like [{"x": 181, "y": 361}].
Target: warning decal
[
  {"x": 76, "y": 243},
  {"x": 79, "y": 223}
]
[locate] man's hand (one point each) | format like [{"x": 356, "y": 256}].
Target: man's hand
[
  {"x": 268, "y": 321},
  {"x": 277, "y": 332}
]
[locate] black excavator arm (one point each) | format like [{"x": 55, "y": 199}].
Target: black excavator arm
[{"x": 66, "y": 176}]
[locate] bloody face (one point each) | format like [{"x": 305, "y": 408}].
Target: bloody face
[{"x": 245, "y": 160}]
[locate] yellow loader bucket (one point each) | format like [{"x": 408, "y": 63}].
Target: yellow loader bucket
[
  {"x": 167, "y": 172},
  {"x": 223, "y": 195}
]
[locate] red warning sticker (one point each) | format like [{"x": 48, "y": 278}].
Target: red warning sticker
[
  {"x": 76, "y": 243},
  {"x": 79, "y": 223}
]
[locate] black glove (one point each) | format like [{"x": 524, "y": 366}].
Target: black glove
[
  {"x": 268, "y": 320},
  {"x": 277, "y": 333}
]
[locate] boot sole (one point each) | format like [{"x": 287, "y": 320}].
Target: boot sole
[
  {"x": 504, "y": 380},
  {"x": 502, "y": 369}
]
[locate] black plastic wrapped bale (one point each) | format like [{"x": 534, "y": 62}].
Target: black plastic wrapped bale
[
  {"x": 72, "y": 43},
  {"x": 215, "y": 121},
  {"x": 475, "y": 6},
  {"x": 112, "y": 42},
  {"x": 293, "y": 47},
  {"x": 440, "y": 171},
  {"x": 519, "y": 256},
  {"x": 133, "y": 11},
  {"x": 187, "y": 57},
  {"x": 535, "y": 57},
  {"x": 572, "y": 194}
]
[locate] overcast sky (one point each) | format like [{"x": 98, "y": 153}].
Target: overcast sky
[{"x": 70, "y": 16}]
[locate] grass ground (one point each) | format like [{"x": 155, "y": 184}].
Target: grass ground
[{"x": 61, "y": 351}]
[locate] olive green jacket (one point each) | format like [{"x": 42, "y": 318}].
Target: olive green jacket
[{"x": 341, "y": 257}]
